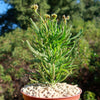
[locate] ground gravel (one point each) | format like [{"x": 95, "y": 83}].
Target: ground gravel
[{"x": 58, "y": 90}]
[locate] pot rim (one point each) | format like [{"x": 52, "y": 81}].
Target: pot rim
[{"x": 52, "y": 98}]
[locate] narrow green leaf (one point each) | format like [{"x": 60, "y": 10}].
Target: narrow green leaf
[
  {"x": 34, "y": 81},
  {"x": 67, "y": 74},
  {"x": 45, "y": 68},
  {"x": 71, "y": 49},
  {"x": 34, "y": 25},
  {"x": 64, "y": 78},
  {"x": 77, "y": 35},
  {"x": 42, "y": 74},
  {"x": 53, "y": 71},
  {"x": 64, "y": 65},
  {"x": 34, "y": 51}
]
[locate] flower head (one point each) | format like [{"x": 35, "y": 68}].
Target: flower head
[
  {"x": 35, "y": 7},
  {"x": 68, "y": 17},
  {"x": 47, "y": 16},
  {"x": 63, "y": 16},
  {"x": 54, "y": 16}
]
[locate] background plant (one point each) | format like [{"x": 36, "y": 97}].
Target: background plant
[{"x": 88, "y": 95}]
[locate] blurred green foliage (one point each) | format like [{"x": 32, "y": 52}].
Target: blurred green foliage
[
  {"x": 14, "y": 60},
  {"x": 88, "y": 95},
  {"x": 86, "y": 9}
]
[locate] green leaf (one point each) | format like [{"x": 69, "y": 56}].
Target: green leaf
[
  {"x": 78, "y": 35},
  {"x": 34, "y": 25},
  {"x": 64, "y": 65},
  {"x": 42, "y": 74},
  {"x": 34, "y": 81},
  {"x": 53, "y": 71},
  {"x": 35, "y": 51},
  {"x": 45, "y": 68},
  {"x": 67, "y": 74}
]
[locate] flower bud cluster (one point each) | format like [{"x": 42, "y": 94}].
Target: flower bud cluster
[
  {"x": 35, "y": 7},
  {"x": 65, "y": 18},
  {"x": 47, "y": 16}
]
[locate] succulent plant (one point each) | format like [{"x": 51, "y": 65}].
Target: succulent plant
[{"x": 53, "y": 48}]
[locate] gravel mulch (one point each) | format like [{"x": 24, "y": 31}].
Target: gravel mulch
[{"x": 59, "y": 90}]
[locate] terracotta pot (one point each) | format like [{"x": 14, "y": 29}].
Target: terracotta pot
[{"x": 27, "y": 97}]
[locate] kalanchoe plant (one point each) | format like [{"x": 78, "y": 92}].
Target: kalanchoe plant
[{"x": 53, "y": 48}]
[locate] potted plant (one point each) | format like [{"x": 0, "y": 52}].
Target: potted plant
[{"x": 53, "y": 48}]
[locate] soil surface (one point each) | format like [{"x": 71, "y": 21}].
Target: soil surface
[{"x": 58, "y": 90}]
